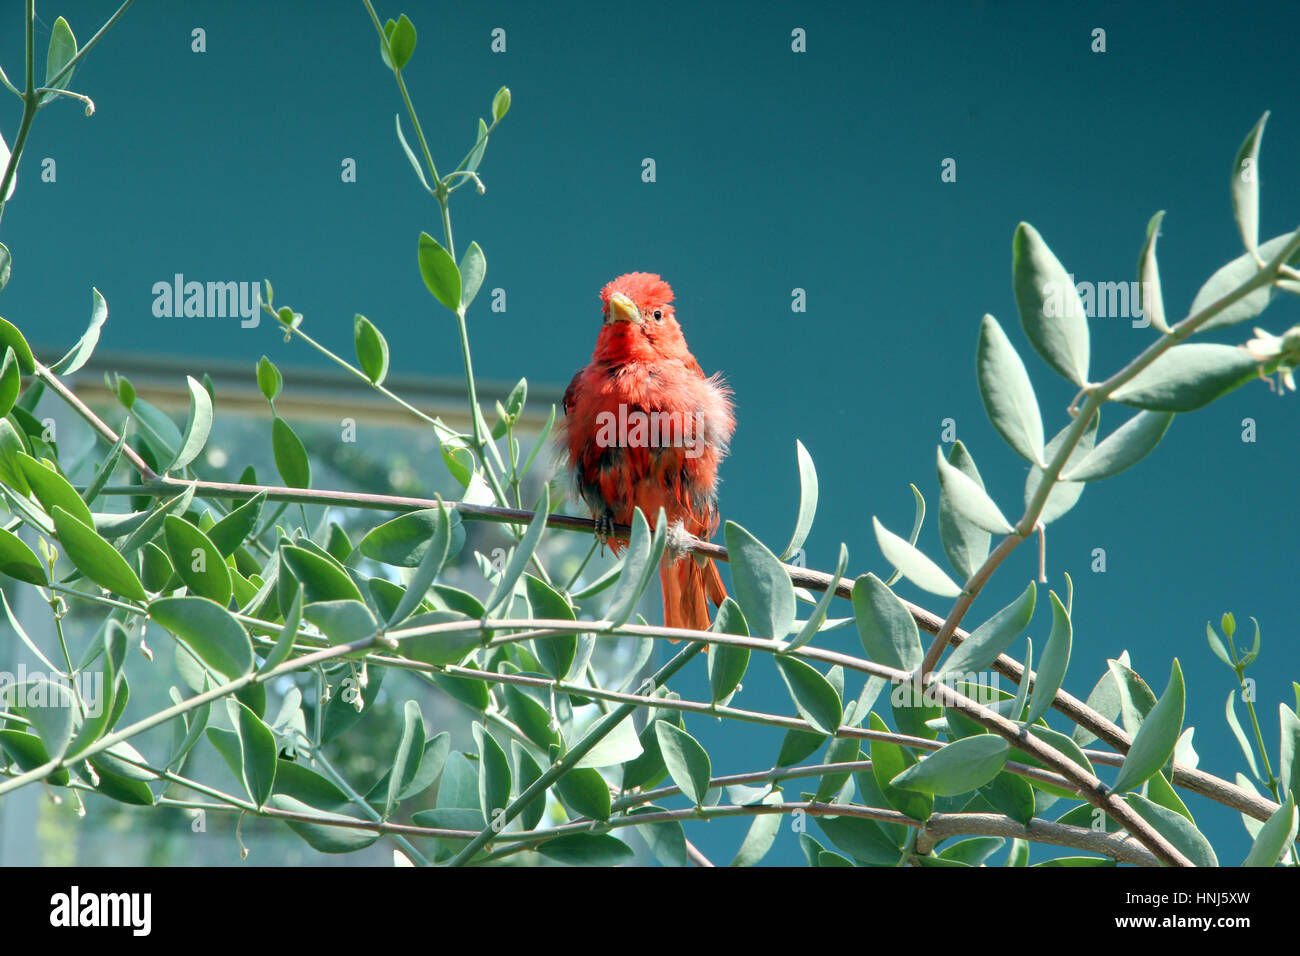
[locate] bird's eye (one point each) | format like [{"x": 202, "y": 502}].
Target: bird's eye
[{"x": 659, "y": 316}]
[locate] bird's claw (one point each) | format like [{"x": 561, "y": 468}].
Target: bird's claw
[{"x": 604, "y": 528}]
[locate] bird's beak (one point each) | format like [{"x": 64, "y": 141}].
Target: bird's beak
[{"x": 623, "y": 309}]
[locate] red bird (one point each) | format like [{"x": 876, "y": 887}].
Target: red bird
[{"x": 645, "y": 428}]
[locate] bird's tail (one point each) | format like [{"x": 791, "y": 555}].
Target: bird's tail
[{"x": 689, "y": 583}]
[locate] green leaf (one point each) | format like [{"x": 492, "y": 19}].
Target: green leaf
[
  {"x": 1288, "y": 772},
  {"x": 494, "y": 774},
  {"x": 973, "y": 851},
  {"x": 1123, "y": 448},
  {"x": 294, "y": 780},
  {"x": 529, "y": 771},
  {"x": 760, "y": 836},
  {"x": 818, "y": 616},
  {"x": 256, "y": 751},
  {"x": 410, "y": 153},
  {"x": 1149, "y": 293},
  {"x": 587, "y": 849},
  {"x": 1175, "y": 828},
  {"x": 197, "y": 560},
  {"x": 1155, "y": 740},
  {"x": 197, "y": 426},
  {"x": 372, "y": 349},
  {"x": 1188, "y": 377},
  {"x": 763, "y": 588},
  {"x": 1230, "y": 713},
  {"x": 887, "y": 762},
  {"x": 85, "y": 347},
  {"x": 1231, "y": 276},
  {"x": 813, "y": 695},
  {"x": 284, "y": 644},
  {"x": 959, "y": 767},
  {"x": 640, "y": 560},
  {"x": 860, "y": 838},
  {"x": 322, "y": 836},
  {"x": 445, "y": 647},
  {"x": 727, "y": 663},
  {"x": 52, "y": 489},
  {"x": 10, "y": 381},
  {"x": 19, "y": 561},
  {"x": 342, "y": 621},
  {"x": 523, "y": 552},
  {"x": 969, "y": 499},
  {"x": 439, "y": 272},
  {"x": 807, "y": 500},
  {"x": 1136, "y": 698},
  {"x": 63, "y": 47},
  {"x": 350, "y": 700},
  {"x": 401, "y": 42},
  {"x": 269, "y": 379},
  {"x": 229, "y": 533},
  {"x": 480, "y": 146},
  {"x": 1275, "y": 836},
  {"x": 96, "y": 558},
  {"x": 1104, "y": 699},
  {"x": 687, "y": 762},
  {"x": 1011, "y": 794},
  {"x": 914, "y": 564},
  {"x": 966, "y": 545},
  {"x": 531, "y": 717},
  {"x": 425, "y": 574},
  {"x": 403, "y": 541},
  {"x": 120, "y": 779},
  {"x": 1245, "y": 186},
  {"x": 1007, "y": 393},
  {"x": 10, "y": 337},
  {"x": 885, "y": 625},
  {"x": 209, "y": 632},
  {"x": 1050, "y": 310},
  {"x": 991, "y": 638},
  {"x": 585, "y": 793},
  {"x": 1056, "y": 659},
  {"x": 501, "y": 103},
  {"x": 322, "y": 579},
  {"x": 473, "y": 269},
  {"x": 290, "y": 455},
  {"x": 556, "y": 653},
  {"x": 50, "y": 707},
  {"x": 13, "y": 181},
  {"x": 406, "y": 762}
]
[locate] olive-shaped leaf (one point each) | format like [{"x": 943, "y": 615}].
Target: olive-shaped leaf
[
  {"x": 915, "y": 565},
  {"x": 688, "y": 763},
  {"x": 1154, "y": 742},
  {"x": 439, "y": 271},
  {"x": 959, "y": 767},
  {"x": 96, "y": 558},
  {"x": 885, "y": 626},
  {"x": 969, "y": 499},
  {"x": 1007, "y": 393},
  {"x": 1123, "y": 448},
  {"x": 813, "y": 696},
  {"x": 208, "y": 631},
  {"x": 1050, "y": 310},
  {"x": 1187, "y": 377},
  {"x": 19, "y": 561},
  {"x": 290, "y": 455},
  {"x": 991, "y": 638},
  {"x": 197, "y": 560},
  {"x": 763, "y": 588},
  {"x": 372, "y": 349},
  {"x": 807, "y": 500},
  {"x": 966, "y": 545},
  {"x": 197, "y": 426}
]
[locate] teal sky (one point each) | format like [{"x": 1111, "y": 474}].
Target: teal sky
[{"x": 775, "y": 170}]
